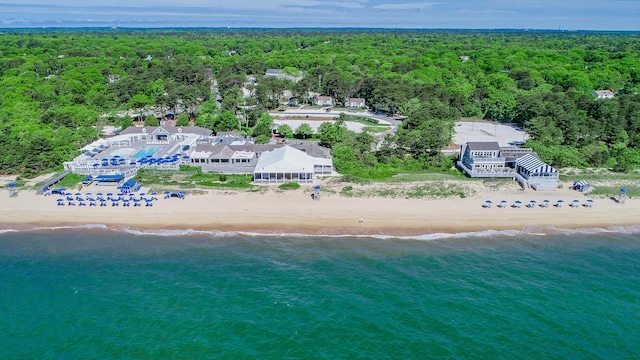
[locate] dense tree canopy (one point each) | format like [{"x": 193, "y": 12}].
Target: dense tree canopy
[{"x": 57, "y": 88}]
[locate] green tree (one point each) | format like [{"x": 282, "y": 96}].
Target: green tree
[
  {"x": 183, "y": 120},
  {"x": 304, "y": 131},
  {"x": 331, "y": 133},
  {"x": 285, "y": 130},
  {"x": 226, "y": 121},
  {"x": 126, "y": 122},
  {"x": 263, "y": 127},
  {"x": 429, "y": 128},
  {"x": 151, "y": 120}
]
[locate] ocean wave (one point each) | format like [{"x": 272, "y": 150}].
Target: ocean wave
[{"x": 343, "y": 233}]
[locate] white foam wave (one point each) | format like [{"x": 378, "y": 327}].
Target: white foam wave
[{"x": 527, "y": 231}]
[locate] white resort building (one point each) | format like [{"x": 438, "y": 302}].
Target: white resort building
[{"x": 167, "y": 147}]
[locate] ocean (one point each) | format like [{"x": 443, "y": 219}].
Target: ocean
[{"x": 95, "y": 293}]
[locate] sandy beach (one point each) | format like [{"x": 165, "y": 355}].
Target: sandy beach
[{"x": 275, "y": 211}]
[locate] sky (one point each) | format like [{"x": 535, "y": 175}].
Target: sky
[{"x": 448, "y": 14}]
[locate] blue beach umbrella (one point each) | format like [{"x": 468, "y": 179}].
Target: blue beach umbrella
[{"x": 623, "y": 190}]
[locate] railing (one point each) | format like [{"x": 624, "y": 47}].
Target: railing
[{"x": 51, "y": 181}]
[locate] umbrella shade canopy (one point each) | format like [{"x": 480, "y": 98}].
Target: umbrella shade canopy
[
  {"x": 489, "y": 202},
  {"x": 576, "y": 201},
  {"x": 623, "y": 190},
  {"x": 589, "y": 200},
  {"x": 518, "y": 202},
  {"x": 532, "y": 201},
  {"x": 560, "y": 200}
]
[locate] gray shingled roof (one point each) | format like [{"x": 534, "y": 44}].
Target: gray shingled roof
[{"x": 484, "y": 145}]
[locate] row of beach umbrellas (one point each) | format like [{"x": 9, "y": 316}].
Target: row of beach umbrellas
[
  {"x": 534, "y": 203},
  {"x": 70, "y": 201}
]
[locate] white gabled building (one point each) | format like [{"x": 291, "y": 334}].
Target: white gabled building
[{"x": 287, "y": 164}]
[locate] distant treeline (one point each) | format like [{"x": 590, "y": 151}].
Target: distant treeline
[{"x": 58, "y": 86}]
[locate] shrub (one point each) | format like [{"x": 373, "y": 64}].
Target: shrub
[
  {"x": 222, "y": 177},
  {"x": 289, "y": 186}
]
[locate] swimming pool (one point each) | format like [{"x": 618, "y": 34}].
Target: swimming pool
[{"x": 146, "y": 151}]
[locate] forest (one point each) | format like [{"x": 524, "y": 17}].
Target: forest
[{"x": 59, "y": 88}]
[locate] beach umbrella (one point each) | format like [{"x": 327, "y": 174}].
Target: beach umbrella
[
  {"x": 96, "y": 165},
  {"x": 132, "y": 163},
  {"x": 589, "y": 201},
  {"x": 518, "y": 202},
  {"x": 185, "y": 157},
  {"x": 623, "y": 190},
  {"x": 560, "y": 201}
]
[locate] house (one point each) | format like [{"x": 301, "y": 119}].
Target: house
[
  {"x": 287, "y": 164},
  {"x": 162, "y": 135},
  {"x": 324, "y": 101},
  {"x": 538, "y": 175},
  {"x": 603, "y": 94},
  {"x": 279, "y": 74},
  {"x": 354, "y": 102},
  {"x": 482, "y": 159}
]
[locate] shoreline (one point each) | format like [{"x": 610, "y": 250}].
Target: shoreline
[{"x": 293, "y": 212}]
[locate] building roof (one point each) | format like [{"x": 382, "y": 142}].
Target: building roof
[
  {"x": 483, "y": 145},
  {"x": 221, "y": 152},
  {"x": 285, "y": 159},
  {"x": 603, "y": 92},
  {"x": 312, "y": 149},
  {"x": 534, "y": 165},
  {"x": 273, "y": 72},
  {"x": 168, "y": 128}
]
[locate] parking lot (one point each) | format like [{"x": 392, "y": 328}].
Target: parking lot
[{"x": 504, "y": 134}]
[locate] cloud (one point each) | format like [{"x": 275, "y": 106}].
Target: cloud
[{"x": 407, "y": 6}]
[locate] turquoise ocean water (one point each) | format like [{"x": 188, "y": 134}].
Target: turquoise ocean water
[{"x": 97, "y": 294}]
